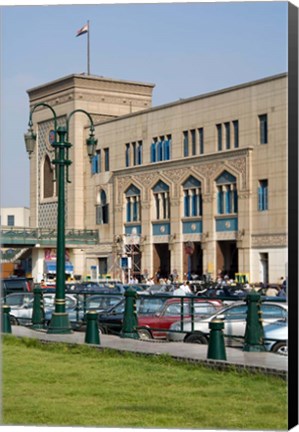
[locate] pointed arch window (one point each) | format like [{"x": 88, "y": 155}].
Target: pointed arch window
[
  {"x": 227, "y": 194},
  {"x": 161, "y": 200},
  {"x": 192, "y": 197},
  {"x": 48, "y": 177},
  {"x": 133, "y": 204}
]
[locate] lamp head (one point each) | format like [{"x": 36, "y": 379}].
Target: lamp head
[
  {"x": 91, "y": 145},
  {"x": 30, "y": 139}
]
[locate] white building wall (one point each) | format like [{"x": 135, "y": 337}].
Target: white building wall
[
  {"x": 277, "y": 259},
  {"x": 21, "y": 216}
]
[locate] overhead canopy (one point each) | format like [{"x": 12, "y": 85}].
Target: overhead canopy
[{"x": 50, "y": 267}]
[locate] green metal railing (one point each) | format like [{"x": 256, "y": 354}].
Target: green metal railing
[{"x": 32, "y": 236}]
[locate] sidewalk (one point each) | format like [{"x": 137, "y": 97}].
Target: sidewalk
[{"x": 265, "y": 362}]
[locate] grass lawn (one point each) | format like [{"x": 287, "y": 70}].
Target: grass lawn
[{"x": 59, "y": 384}]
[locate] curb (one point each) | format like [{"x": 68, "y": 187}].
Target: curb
[{"x": 220, "y": 365}]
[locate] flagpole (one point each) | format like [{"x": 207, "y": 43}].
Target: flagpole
[{"x": 88, "y": 49}]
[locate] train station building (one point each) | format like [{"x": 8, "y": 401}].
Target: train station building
[{"x": 197, "y": 186}]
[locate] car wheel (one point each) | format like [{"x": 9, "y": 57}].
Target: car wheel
[
  {"x": 196, "y": 338},
  {"x": 144, "y": 334},
  {"x": 102, "y": 330},
  {"x": 13, "y": 320},
  {"x": 280, "y": 348}
]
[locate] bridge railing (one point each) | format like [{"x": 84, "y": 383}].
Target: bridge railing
[{"x": 43, "y": 236}]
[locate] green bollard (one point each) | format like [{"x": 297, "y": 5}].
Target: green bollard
[
  {"x": 6, "y": 326},
  {"x": 92, "y": 329},
  {"x": 130, "y": 316},
  {"x": 254, "y": 333},
  {"x": 38, "y": 313},
  {"x": 216, "y": 348}
]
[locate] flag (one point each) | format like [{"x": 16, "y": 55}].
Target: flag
[{"x": 83, "y": 30}]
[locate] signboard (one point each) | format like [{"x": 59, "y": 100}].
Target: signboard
[
  {"x": 210, "y": 267},
  {"x": 93, "y": 273},
  {"x": 126, "y": 262}
]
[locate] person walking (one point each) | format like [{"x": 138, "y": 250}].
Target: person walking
[{"x": 186, "y": 288}]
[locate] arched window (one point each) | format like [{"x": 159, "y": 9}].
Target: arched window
[
  {"x": 48, "y": 177},
  {"x": 192, "y": 197},
  {"x": 227, "y": 195},
  {"x": 132, "y": 204},
  {"x": 161, "y": 199},
  {"x": 102, "y": 214}
]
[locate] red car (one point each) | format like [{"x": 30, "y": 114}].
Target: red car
[{"x": 152, "y": 326}]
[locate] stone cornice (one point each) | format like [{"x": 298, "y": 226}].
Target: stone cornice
[{"x": 89, "y": 82}]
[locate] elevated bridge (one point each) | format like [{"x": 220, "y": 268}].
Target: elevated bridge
[{"x": 30, "y": 237}]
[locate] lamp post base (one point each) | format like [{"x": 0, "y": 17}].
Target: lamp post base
[
  {"x": 60, "y": 324},
  {"x": 254, "y": 348}
]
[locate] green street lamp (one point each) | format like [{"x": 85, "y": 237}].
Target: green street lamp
[{"x": 60, "y": 321}]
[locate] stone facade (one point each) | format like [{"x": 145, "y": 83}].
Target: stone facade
[{"x": 195, "y": 186}]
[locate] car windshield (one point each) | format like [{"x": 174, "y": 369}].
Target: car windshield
[
  {"x": 101, "y": 302},
  {"x": 49, "y": 301},
  {"x": 175, "y": 309},
  {"x": 273, "y": 311},
  {"x": 204, "y": 308},
  {"x": 236, "y": 312},
  {"x": 17, "y": 299},
  {"x": 149, "y": 305}
]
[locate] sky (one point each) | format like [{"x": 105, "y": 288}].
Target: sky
[{"x": 185, "y": 49}]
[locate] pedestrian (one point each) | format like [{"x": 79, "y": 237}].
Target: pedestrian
[{"x": 186, "y": 288}]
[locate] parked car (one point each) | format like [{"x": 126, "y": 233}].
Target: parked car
[
  {"x": 94, "y": 287},
  {"x": 17, "y": 299},
  {"x": 21, "y": 305},
  {"x": 15, "y": 284},
  {"x": 154, "y": 326},
  {"x": 140, "y": 287},
  {"x": 83, "y": 303},
  {"x": 160, "y": 289},
  {"x": 276, "y": 337},
  {"x": 111, "y": 321},
  {"x": 234, "y": 317}
]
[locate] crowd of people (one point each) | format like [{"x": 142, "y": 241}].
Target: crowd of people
[{"x": 223, "y": 285}]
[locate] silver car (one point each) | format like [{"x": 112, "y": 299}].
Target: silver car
[
  {"x": 276, "y": 337},
  {"x": 234, "y": 317},
  {"x": 21, "y": 306}
]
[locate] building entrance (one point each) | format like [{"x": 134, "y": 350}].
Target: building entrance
[
  {"x": 227, "y": 258},
  {"x": 264, "y": 268},
  {"x": 161, "y": 261}
]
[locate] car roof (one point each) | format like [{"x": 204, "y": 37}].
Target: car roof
[{"x": 190, "y": 298}]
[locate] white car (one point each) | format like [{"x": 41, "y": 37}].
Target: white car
[
  {"x": 234, "y": 318},
  {"x": 21, "y": 306},
  {"x": 276, "y": 337}
]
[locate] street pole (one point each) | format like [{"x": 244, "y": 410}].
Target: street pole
[{"x": 60, "y": 321}]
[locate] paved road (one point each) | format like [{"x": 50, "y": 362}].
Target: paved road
[{"x": 263, "y": 361}]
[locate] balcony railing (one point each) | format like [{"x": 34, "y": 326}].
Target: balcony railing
[{"x": 46, "y": 237}]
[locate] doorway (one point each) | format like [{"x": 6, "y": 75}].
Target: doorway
[
  {"x": 161, "y": 261},
  {"x": 264, "y": 268},
  {"x": 227, "y": 258}
]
